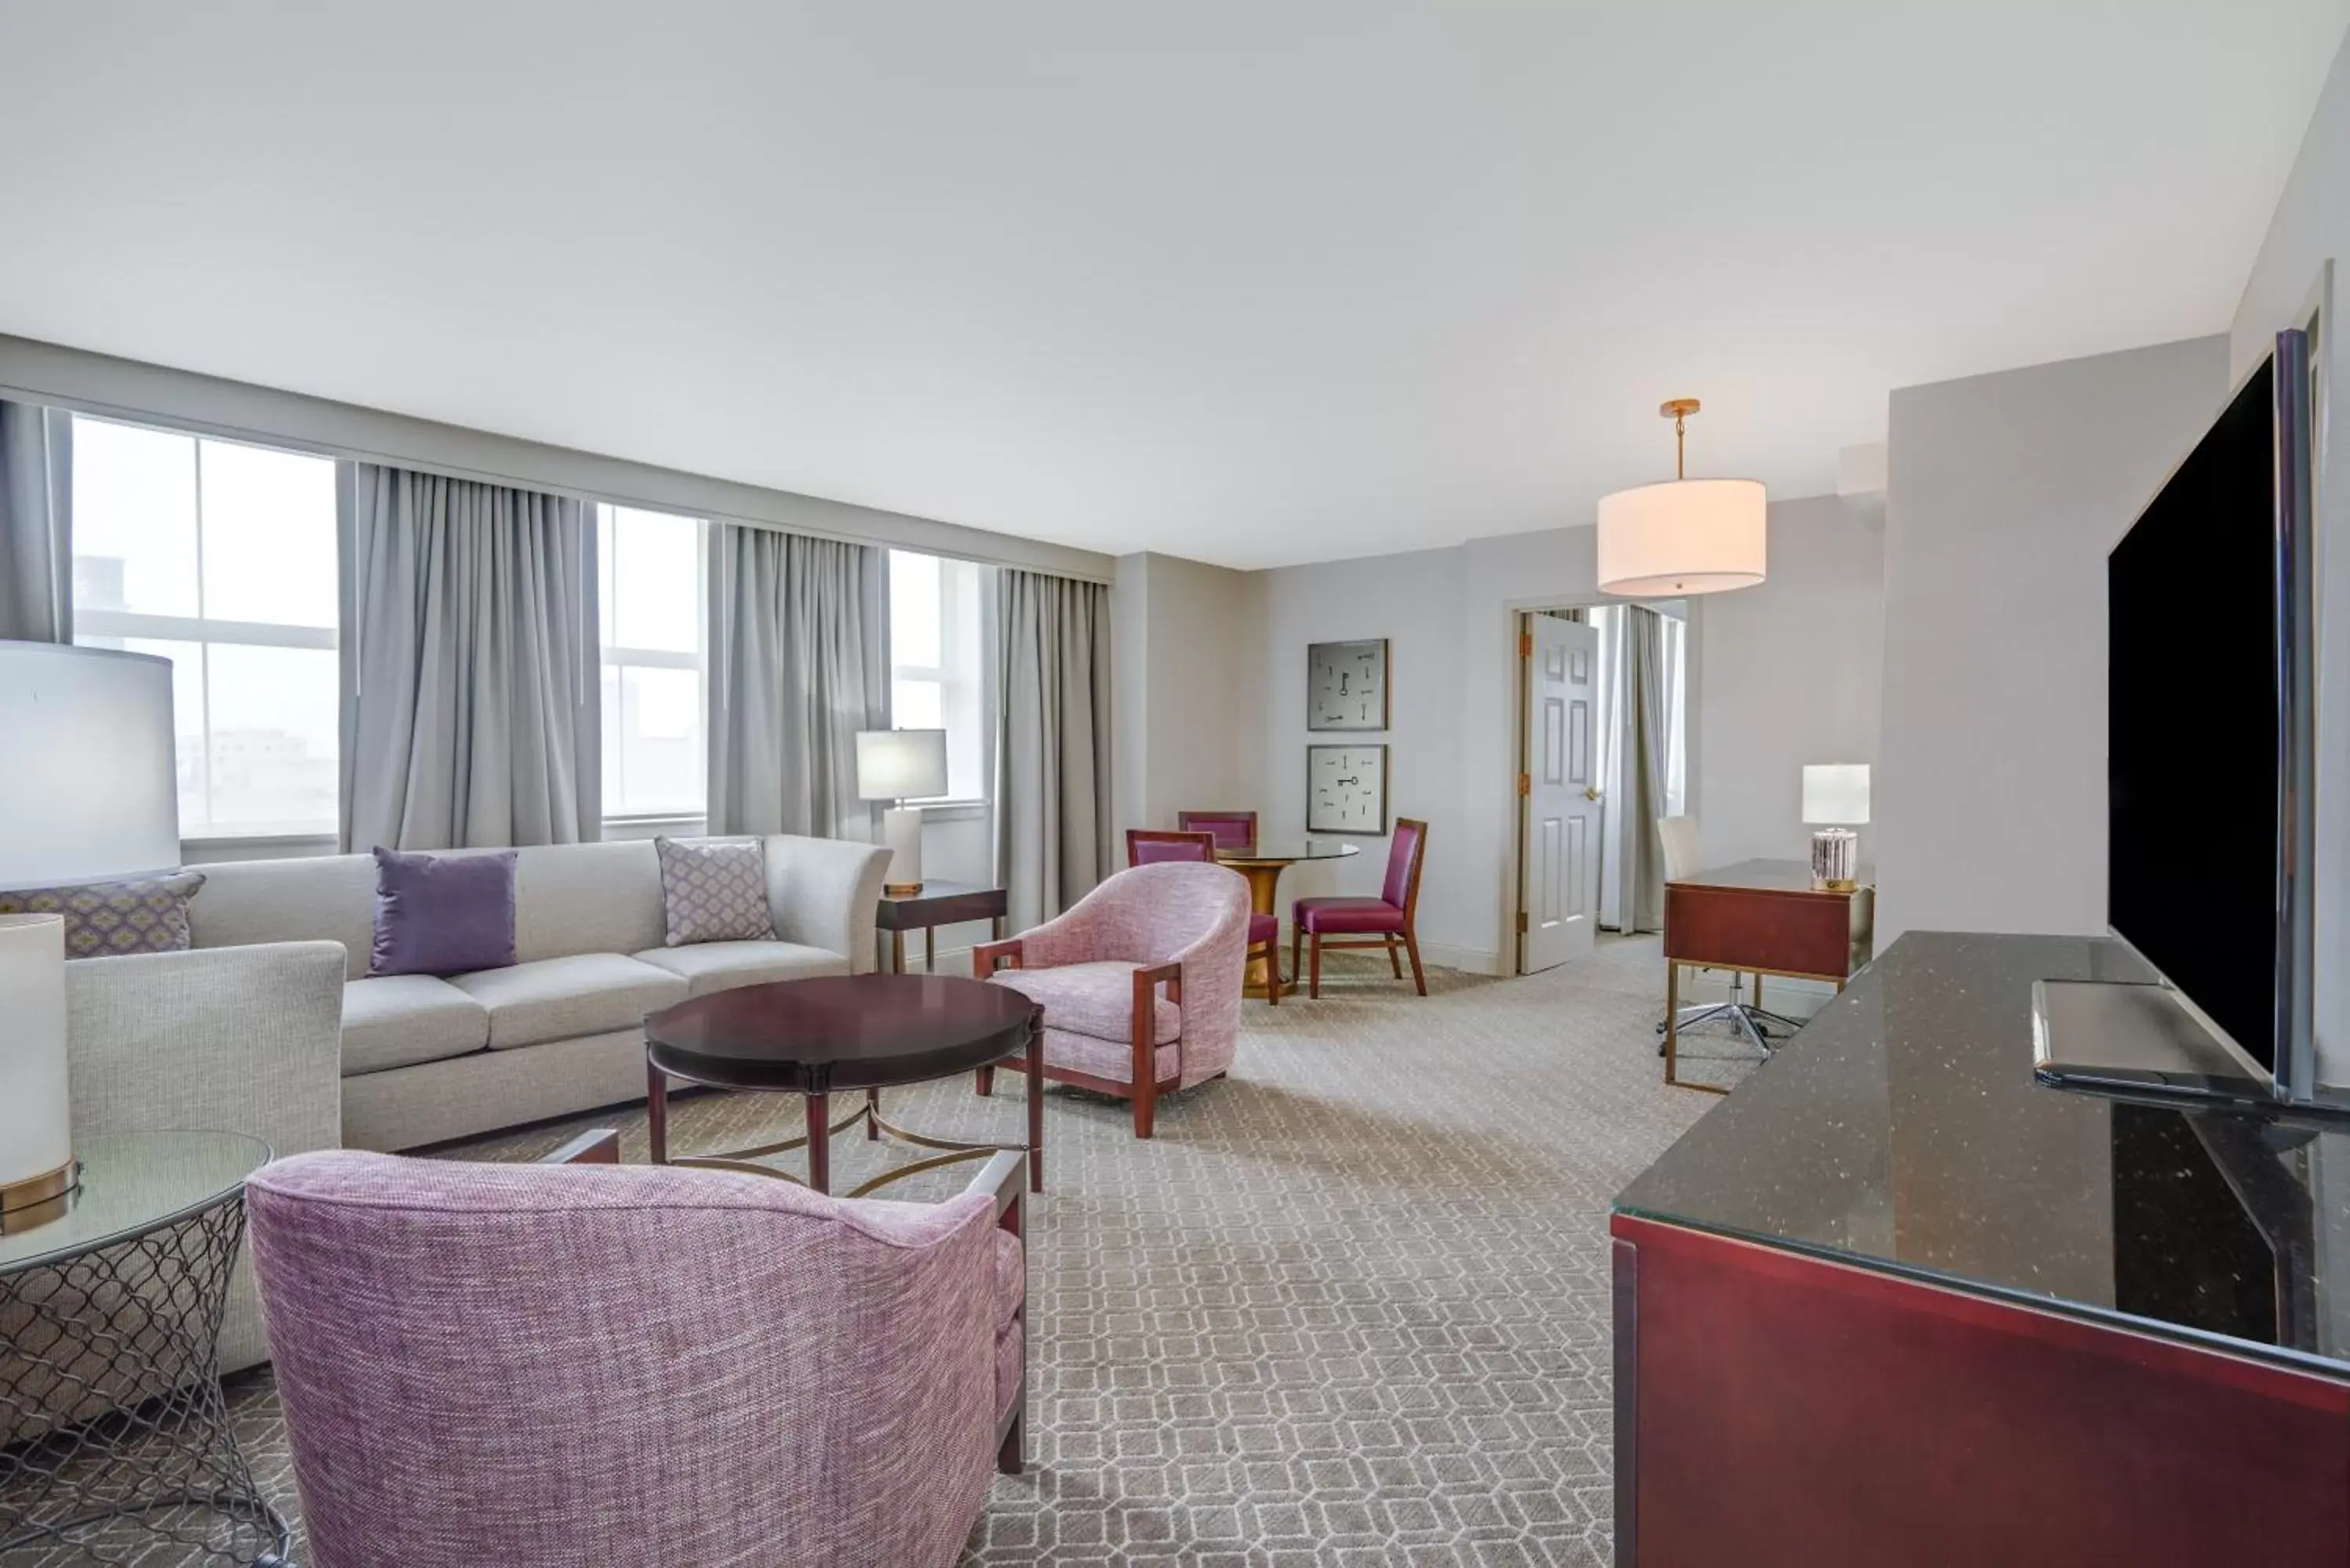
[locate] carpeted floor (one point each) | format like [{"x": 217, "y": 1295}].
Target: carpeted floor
[{"x": 1348, "y": 1307}]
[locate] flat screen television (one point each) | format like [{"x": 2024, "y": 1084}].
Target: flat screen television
[{"x": 2209, "y": 752}]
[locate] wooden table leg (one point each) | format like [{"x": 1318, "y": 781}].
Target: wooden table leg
[
  {"x": 1264, "y": 894},
  {"x": 896, "y": 952},
  {"x": 929, "y": 950},
  {"x": 1036, "y": 1112},
  {"x": 657, "y": 1113},
  {"x": 819, "y": 1142},
  {"x": 1673, "y": 1021}
]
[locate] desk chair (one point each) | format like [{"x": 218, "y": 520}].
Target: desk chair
[{"x": 1682, "y": 859}]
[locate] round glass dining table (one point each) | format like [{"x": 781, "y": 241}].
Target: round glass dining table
[{"x": 1262, "y": 863}]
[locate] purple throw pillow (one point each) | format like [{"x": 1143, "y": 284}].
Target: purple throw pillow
[
  {"x": 106, "y": 919},
  {"x": 443, "y": 914}
]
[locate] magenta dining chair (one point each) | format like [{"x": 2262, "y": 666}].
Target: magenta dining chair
[
  {"x": 1230, "y": 829},
  {"x": 1149, "y": 846},
  {"x": 1389, "y": 921}
]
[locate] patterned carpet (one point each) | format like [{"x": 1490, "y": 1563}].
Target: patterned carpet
[{"x": 1348, "y": 1307}]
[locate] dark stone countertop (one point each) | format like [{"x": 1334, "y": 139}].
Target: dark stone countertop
[{"x": 1903, "y": 1130}]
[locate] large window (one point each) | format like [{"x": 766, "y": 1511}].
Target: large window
[
  {"x": 652, "y": 613},
  {"x": 938, "y": 661},
  {"x": 221, "y": 558}
]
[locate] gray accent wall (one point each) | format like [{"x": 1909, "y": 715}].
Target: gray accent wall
[{"x": 2004, "y": 493}]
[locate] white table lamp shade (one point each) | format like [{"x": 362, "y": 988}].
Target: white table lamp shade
[
  {"x": 901, "y": 765},
  {"x": 1835, "y": 794},
  {"x": 36, "y": 1139},
  {"x": 89, "y": 789},
  {"x": 1682, "y": 536}
]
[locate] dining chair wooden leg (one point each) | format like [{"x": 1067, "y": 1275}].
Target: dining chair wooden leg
[
  {"x": 1272, "y": 973},
  {"x": 984, "y": 1081},
  {"x": 1297, "y": 948},
  {"x": 1395, "y": 958},
  {"x": 1313, "y": 988},
  {"x": 1418, "y": 975}
]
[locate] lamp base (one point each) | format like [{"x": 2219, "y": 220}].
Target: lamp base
[
  {"x": 901, "y": 889},
  {"x": 37, "y": 1199},
  {"x": 1836, "y": 860}
]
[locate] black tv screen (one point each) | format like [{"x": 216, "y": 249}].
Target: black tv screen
[{"x": 2192, "y": 754}]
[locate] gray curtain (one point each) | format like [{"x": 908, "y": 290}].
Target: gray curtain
[
  {"x": 1053, "y": 741},
  {"x": 799, "y": 662},
  {"x": 36, "y": 524},
  {"x": 1640, "y": 887},
  {"x": 471, "y": 695}
]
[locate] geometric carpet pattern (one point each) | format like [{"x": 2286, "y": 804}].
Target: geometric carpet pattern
[{"x": 1349, "y": 1306}]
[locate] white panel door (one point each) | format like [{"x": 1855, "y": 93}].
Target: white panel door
[{"x": 1558, "y": 834}]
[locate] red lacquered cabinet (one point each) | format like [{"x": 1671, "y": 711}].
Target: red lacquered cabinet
[{"x": 1774, "y": 1409}]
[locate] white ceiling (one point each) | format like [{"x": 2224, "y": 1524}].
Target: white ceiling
[{"x": 1251, "y": 283}]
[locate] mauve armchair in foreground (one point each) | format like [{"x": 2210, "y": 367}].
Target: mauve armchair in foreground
[
  {"x": 534, "y": 1366},
  {"x": 1139, "y": 980}
]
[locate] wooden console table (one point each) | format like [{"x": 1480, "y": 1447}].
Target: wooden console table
[{"x": 940, "y": 903}]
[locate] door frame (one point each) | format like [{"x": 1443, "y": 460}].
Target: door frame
[{"x": 1520, "y": 753}]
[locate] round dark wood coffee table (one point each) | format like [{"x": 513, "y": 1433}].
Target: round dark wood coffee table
[{"x": 839, "y": 1033}]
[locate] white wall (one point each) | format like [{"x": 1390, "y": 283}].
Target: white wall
[
  {"x": 1414, "y": 601},
  {"x": 1791, "y": 673},
  {"x": 2004, "y": 493},
  {"x": 1452, "y": 615},
  {"x": 2311, "y": 227},
  {"x": 1188, "y": 704}
]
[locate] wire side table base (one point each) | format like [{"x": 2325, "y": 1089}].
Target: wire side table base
[{"x": 109, "y": 1381}]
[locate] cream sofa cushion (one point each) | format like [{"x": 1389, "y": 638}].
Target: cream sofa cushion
[
  {"x": 718, "y": 966},
  {"x": 400, "y": 1019},
  {"x": 558, "y": 997}
]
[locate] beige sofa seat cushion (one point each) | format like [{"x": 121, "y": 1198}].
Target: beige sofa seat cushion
[
  {"x": 718, "y": 966},
  {"x": 400, "y": 1019},
  {"x": 558, "y": 997}
]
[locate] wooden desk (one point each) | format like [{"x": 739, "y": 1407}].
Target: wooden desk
[
  {"x": 1759, "y": 917},
  {"x": 940, "y": 903}
]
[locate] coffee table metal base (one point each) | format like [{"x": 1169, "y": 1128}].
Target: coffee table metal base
[{"x": 818, "y": 1139}]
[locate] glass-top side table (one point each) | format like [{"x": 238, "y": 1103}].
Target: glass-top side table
[{"x": 115, "y": 1441}]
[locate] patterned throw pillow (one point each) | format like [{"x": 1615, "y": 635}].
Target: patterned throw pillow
[
  {"x": 715, "y": 890},
  {"x": 106, "y": 919}
]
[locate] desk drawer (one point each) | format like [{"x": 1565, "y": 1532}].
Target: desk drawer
[{"x": 1758, "y": 928}]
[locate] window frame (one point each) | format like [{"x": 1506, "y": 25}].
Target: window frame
[{"x": 204, "y": 631}]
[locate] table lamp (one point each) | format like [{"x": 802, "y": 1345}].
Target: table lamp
[
  {"x": 900, "y": 765},
  {"x": 1837, "y": 793},
  {"x": 88, "y": 792}
]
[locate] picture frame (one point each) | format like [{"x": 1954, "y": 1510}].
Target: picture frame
[
  {"x": 1346, "y": 790},
  {"x": 1346, "y": 685}
]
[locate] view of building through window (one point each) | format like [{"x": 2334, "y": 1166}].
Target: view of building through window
[
  {"x": 938, "y": 661},
  {"x": 221, "y": 558},
  {"x": 652, "y": 607}
]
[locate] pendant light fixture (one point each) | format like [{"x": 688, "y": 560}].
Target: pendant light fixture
[{"x": 1685, "y": 535}]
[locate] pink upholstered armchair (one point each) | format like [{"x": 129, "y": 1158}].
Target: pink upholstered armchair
[
  {"x": 539, "y": 1367},
  {"x": 1149, "y": 846},
  {"x": 1139, "y": 980}
]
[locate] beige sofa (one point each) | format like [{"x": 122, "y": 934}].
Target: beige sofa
[{"x": 426, "y": 1059}]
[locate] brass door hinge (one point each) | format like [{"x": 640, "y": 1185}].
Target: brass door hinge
[
  {"x": 1525, "y": 783},
  {"x": 1522, "y": 922},
  {"x": 1525, "y": 645}
]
